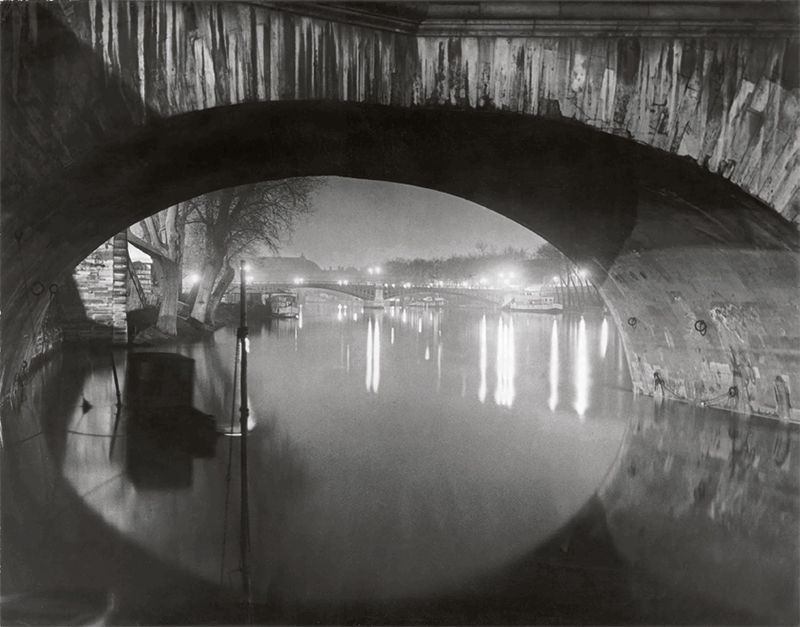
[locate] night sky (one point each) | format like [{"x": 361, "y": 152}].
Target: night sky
[{"x": 359, "y": 222}]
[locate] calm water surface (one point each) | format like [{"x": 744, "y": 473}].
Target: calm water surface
[{"x": 396, "y": 453}]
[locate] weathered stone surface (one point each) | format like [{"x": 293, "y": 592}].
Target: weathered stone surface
[{"x": 730, "y": 104}]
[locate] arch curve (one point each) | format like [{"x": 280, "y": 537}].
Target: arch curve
[{"x": 624, "y": 210}]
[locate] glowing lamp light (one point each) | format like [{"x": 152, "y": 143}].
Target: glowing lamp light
[
  {"x": 299, "y": 280},
  {"x": 194, "y": 278},
  {"x": 582, "y": 273}
]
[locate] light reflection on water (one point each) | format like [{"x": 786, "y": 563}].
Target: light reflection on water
[
  {"x": 373, "y": 376},
  {"x": 582, "y": 371},
  {"x": 571, "y": 338},
  {"x": 403, "y": 482},
  {"x": 482, "y": 364},
  {"x": 552, "y": 402},
  {"x": 504, "y": 390}
]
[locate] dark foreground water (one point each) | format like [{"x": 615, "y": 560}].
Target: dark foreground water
[{"x": 410, "y": 465}]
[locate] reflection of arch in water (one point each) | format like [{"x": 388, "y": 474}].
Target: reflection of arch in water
[{"x": 717, "y": 487}]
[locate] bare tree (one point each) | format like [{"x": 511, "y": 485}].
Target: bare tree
[
  {"x": 235, "y": 221},
  {"x": 161, "y": 236}
]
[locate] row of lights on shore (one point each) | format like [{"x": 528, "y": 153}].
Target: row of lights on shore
[{"x": 505, "y": 277}]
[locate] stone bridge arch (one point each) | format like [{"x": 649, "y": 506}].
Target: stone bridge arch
[
  {"x": 718, "y": 85},
  {"x": 107, "y": 121}
]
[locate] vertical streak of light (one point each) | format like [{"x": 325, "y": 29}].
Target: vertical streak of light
[
  {"x": 339, "y": 313},
  {"x": 582, "y": 371},
  {"x": 376, "y": 358},
  {"x": 603, "y": 338},
  {"x": 511, "y": 363},
  {"x": 300, "y": 317},
  {"x": 391, "y": 338},
  {"x": 419, "y": 326},
  {"x": 427, "y": 352},
  {"x": 368, "y": 380},
  {"x": 438, "y": 367},
  {"x": 554, "y": 365},
  {"x": 499, "y": 383},
  {"x": 482, "y": 339},
  {"x": 404, "y": 317}
]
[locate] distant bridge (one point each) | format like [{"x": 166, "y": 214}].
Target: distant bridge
[{"x": 370, "y": 292}]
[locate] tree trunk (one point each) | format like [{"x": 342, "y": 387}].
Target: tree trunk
[
  {"x": 211, "y": 269},
  {"x": 219, "y": 291},
  {"x": 168, "y": 274}
]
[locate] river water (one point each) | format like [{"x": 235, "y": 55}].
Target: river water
[
  {"x": 406, "y": 466},
  {"x": 395, "y": 454}
]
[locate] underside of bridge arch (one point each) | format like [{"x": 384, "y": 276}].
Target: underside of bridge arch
[{"x": 700, "y": 277}]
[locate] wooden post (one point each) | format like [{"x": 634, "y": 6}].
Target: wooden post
[
  {"x": 244, "y": 413},
  {"x": 116, "y": 380}
]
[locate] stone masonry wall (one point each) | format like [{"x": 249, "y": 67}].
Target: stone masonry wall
[{"x": 96, "y": 308}]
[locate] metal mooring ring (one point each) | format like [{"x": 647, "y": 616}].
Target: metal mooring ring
[
  {"x": 37, "y": 288},
  {"x": 54, "y": 288},
  {"x": 632, "y": 321},
  {"x": 700, "y": 326}
]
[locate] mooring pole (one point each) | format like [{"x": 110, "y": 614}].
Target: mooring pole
[
  {"x": 116, "y": 380},
  {"x": 244, "y": 412}
]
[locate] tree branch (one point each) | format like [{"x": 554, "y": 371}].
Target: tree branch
[{"x": 146, "y": 246}]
